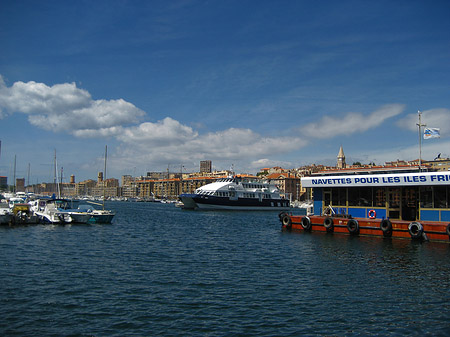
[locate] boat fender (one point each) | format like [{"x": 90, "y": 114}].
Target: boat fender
[
  {"x": 281, "y": 215},
  {"x": 306, "y": 223},
  {"x": 353, "y": 226},
  {"x": 386, "y": 227},
  {"x": 328, "y": 224},
  {"x": 286, "y": 221},
  {"x": 448, "y": 229},
  {"x": 372, "y": 214},
  {"x": 415, "y": 229}
]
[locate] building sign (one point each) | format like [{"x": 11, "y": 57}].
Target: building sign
[{"x": 374, "y": 180}]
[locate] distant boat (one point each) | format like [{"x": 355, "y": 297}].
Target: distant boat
[{"x": 236, "y": 193}]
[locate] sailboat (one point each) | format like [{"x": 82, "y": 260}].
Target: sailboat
[{"x": 102, "y": 215}]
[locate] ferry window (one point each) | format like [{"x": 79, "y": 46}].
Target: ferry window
[
  {"x": 380, "y": 197},
  {"x": 394, "y": 197},
  {"x": 339, "y": 197},
  {"x": 360, "y": 196},
  {"x": 365, "y": 196},
  {"x": 440, "y": 197},
  {"x": 353, "y": 195},
  {"x": 426, "y": 197}
]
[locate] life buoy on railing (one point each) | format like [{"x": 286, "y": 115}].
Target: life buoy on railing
[
  {"x": 415, "y": 229},
  {"x": 372, "y": 214},
  {"x": 353, "y": 226},
  {"x": 386, "y": 227},
  {"x": 328, "y": 224},
  {"x": 306, "y": 223}
]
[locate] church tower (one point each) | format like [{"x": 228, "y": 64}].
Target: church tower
[{"x": 341, "y": 159}]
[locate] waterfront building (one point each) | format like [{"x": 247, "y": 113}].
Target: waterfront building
[
  {"x": 287, "y": 183},
  {"x": 439, "y": 164},
  {"x": 205, "y": 166},
  {"x": 84, "y": 187},
  {"x": 20, "y": 184},
  {"x": 3, "y": 183}
]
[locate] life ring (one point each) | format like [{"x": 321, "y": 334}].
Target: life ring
[
  {"x": 386, "y": 227},
  {"x": 353, "y": 226},
  {"x": 306, "y": 223},
  {"x": 328, "y": 224},
  {"x": 415, "y": 229},
  {"x": 448, "y": 229},
  {"x": 286, "y": 221},
  {"x": 372, "y": 214}
]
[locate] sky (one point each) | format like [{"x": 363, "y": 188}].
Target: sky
[{"x": 246, "y": 84}]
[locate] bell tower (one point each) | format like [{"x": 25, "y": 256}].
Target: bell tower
[{"x": 341, "y": 159}]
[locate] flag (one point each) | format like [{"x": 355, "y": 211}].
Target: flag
[{"x": 431, "y": 133}]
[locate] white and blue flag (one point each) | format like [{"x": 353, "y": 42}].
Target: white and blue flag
[{"x": 431, "y": 133}]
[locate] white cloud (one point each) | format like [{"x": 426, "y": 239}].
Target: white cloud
[
  {"x": 165, "y": 132},
  {"x": 434, "y": 118},
  {"x": 352, "y": 122},
  {"x": 265, "y": 162},
  {"x": 64, "y": 107},
  {"x": 168, "y": 141}
]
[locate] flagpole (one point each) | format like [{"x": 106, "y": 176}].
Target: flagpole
[{"x": 420, "y": 139}]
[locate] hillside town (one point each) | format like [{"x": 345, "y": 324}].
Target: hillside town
[{"x": 169, "y": 185}]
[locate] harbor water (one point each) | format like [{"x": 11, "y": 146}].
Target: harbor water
[{"x": 161, "y": 271}]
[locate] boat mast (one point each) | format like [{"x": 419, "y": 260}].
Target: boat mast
[
  {"x": 104, "y": 178},
  {"x": 15, "y": 156},
  {"x": 55, "y": 179},
  {"x": 28, "y": 178}
]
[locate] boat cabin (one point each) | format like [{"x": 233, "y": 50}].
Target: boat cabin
[{"x": 418, "y": 196}]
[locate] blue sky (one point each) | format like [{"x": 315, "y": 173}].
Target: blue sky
[{"x": 251, "y": 84}]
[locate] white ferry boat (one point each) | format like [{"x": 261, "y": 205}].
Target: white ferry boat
[{"x": 236, "y": 193}]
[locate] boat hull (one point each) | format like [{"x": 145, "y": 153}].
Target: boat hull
[
  {"x": 192, "y": 201},
  {"x": 5, "y": 219},
  {"x": 417, "y": 230},
  {"x": 101, "y": 217}
]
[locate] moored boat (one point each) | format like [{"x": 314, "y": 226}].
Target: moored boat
[
  {"x": 97, "y": 216},
  {"x": 5, "y": 214},
  {"x": 401, "y": 205},
  {"x": 101, "y": 216},
  {"x": 47, "y": 211},
  {"x": 23, "y": 214},
  {"x": 236, "y": 193}
]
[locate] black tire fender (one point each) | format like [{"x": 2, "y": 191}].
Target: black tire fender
[
  {"x": 415, "y": 229},
  {"x": 386, "y": 227},
  {"x": 353, "y": 226},
  {"x": 306, "y": 223},
  {"x": 328, "y": 224},
  {"x": 286, "y": 220}
]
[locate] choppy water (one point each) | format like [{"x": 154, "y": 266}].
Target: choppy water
[{"x": 159, "y": 270}]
